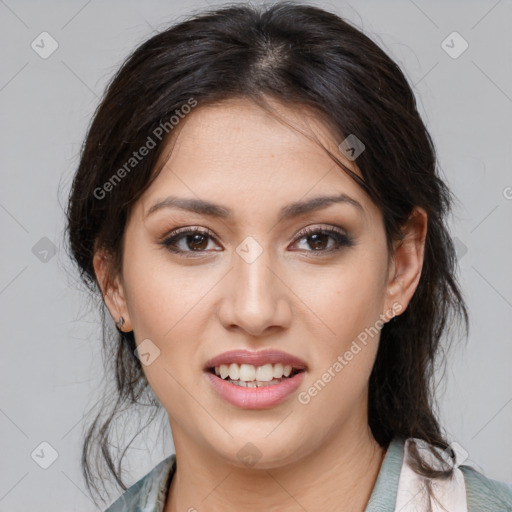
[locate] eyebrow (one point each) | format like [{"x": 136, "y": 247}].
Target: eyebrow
[{"x": 292, "y": 210}]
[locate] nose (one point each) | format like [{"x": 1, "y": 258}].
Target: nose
[{"x": 255, "y": 299}]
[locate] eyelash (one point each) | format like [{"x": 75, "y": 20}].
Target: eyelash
[{"x": 342, "y": 239}]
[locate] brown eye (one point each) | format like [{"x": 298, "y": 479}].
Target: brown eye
[
  {"x": 188, "y": 240},
  {"x": 318, "y": 239},
  {"x": 196, "y": 242}
]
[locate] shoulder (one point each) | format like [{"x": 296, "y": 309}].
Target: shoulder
[
  {"x": 465, "y": 490},
  {"x": 149, "y": 493},
  {"x": 485, "y": 494}
]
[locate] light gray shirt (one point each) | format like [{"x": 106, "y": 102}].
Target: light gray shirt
[{"x": 481, "y": 493}]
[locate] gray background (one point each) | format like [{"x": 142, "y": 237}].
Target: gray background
[{"x": 50, "y": 362}]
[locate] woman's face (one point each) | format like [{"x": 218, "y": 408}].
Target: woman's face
[{"x": 253, "y": 280}]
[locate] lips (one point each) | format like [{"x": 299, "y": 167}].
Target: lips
[
  {"x": 243, "y": 394},
  {"x": 259, "y": 358}
]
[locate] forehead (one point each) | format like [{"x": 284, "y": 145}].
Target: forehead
[
  {"x": 237, "y": 153},
  {"x": 239, "y": 130}
]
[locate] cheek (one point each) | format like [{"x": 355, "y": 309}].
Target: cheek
[
  {"x": 161, "y": 295},
  {"x": 164, "y": 304},
  {"x": 350, "y": 296},
  {"x": 349, "y": 301},
  {"x": 345, "y": 352}
]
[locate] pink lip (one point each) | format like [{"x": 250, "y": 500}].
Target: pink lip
[
  {"x": 258, "y": 358},
  {"x": 256, "y": 398}
]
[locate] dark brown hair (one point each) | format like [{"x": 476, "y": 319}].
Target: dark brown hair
[{"x": 304, "y": 56}]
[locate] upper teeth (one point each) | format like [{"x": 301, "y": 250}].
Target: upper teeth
[{"x": 248, "y": 372}]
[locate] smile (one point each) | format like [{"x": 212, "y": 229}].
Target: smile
[
  {"x": 251, "y": 376},
  {"x": 255, "y": 380}
]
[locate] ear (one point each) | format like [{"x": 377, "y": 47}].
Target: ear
[
  {"x": 406, "y": 262},
  {"x": 112, "y": 289}
]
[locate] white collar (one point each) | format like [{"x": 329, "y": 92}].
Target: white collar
[{"x": 412, "y": 493}]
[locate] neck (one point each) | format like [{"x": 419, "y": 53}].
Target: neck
[{"x": 338, "y": 476}]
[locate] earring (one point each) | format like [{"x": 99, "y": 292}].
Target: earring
[{"x": 120, "y": 322}]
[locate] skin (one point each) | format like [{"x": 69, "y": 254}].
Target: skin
[{"x": 312, "y": 303}]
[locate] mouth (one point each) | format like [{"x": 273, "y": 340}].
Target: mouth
[
  {"x": 255, "y": 380},
  {"x": 250, "y": 376}
]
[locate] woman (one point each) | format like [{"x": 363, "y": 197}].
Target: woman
[{"x": 258, "y": 202}]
